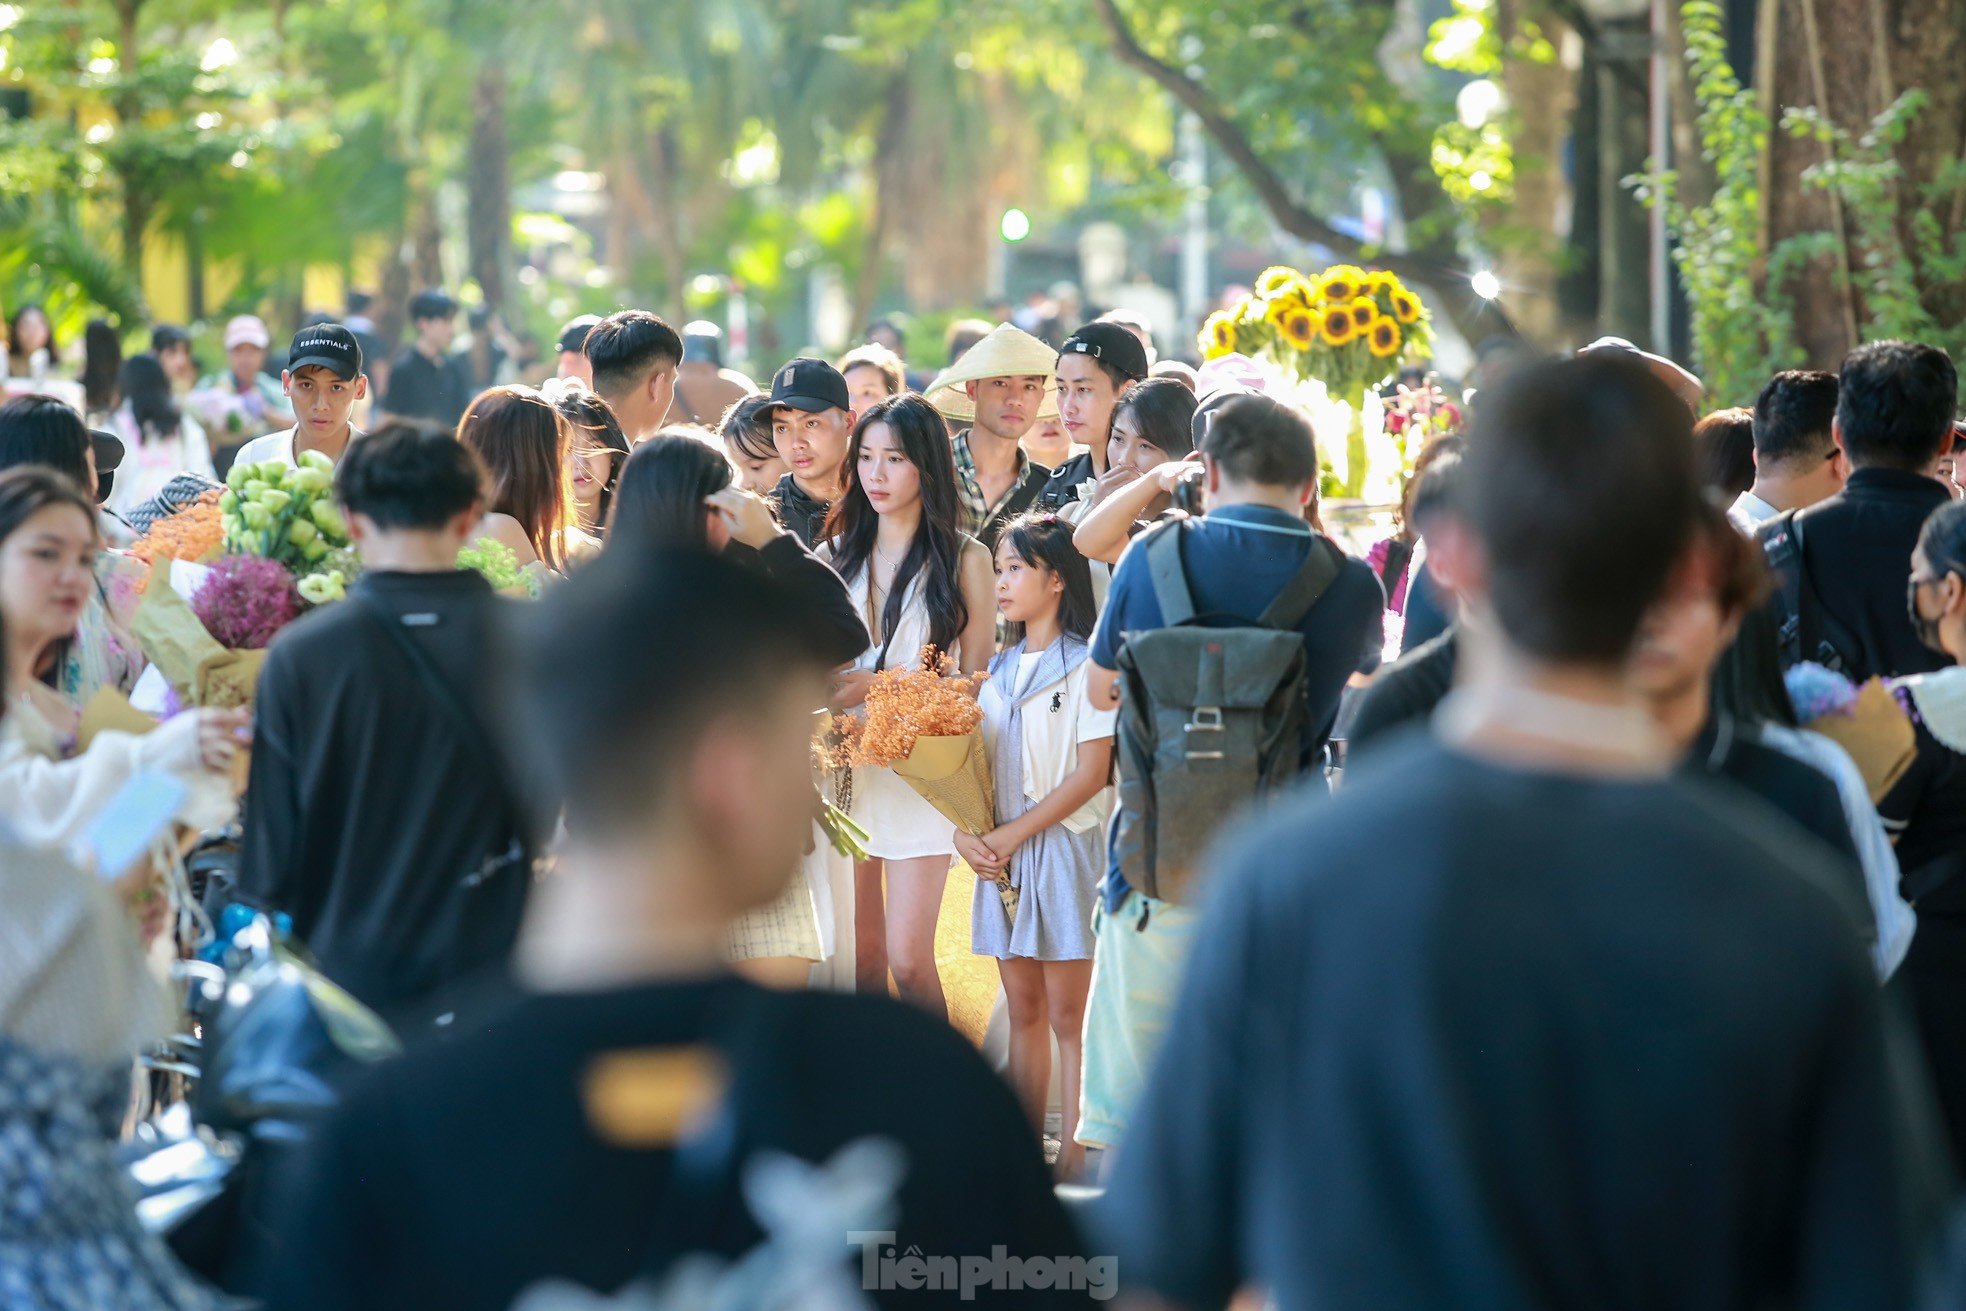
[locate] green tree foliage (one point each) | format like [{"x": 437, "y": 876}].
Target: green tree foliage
[{"x": 1743, "y": 327}]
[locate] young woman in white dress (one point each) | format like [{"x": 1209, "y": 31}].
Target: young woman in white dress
[{"x": 895, "y": 538}]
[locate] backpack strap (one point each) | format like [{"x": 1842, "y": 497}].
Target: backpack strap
[
  {"x": 1163, "y": 547},
  {"x": 1837, "y": 648},
  {"x": 1781, "y": 541},
  {"x": 1306, "y": 587}
]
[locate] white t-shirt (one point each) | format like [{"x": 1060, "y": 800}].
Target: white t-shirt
[
  {"x": 1051, "y": 739},
  {"x": 275, "y": 446}
]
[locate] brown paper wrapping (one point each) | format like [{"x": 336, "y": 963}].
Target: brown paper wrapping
[
  {"x": 1877, "y": 733},
  {"x": 202, "y": 672},
  {"x": 109, "y": 710},
  {"x": 953, "y": 775}
]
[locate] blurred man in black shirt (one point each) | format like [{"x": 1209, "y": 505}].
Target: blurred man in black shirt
[
  {"x": 609, "y": 1112},
  {"x": 1843, "y": 564},
  {"x": 427, "y": 382},
  {"x": 377, "y": 816}
]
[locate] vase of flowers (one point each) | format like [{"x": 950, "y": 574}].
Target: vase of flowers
[{"x": 1344, "y": 332}]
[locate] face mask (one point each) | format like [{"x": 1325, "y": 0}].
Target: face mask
[{"x": 1926, "y": 629}]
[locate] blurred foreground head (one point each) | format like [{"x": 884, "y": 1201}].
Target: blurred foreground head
[
  {"x": 666, "y": 698},
  {"x": 1578, "y": 496}
]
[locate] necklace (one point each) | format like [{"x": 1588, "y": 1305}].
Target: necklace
[{"x": 883, "y": 557}]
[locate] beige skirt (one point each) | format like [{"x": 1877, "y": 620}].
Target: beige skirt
[{"x": 788, "y": 926}]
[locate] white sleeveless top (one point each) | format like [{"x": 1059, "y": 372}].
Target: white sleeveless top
[
  {"x": 910, "y": 635},
  {"x": 900, "y": 825}
]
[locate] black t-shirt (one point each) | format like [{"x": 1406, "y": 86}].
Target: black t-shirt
[
  {"x": 370, "y": 807},
  {"x": 433, "y": 390},
  {"x": 460, "y": 1175},
  {"x": 1536, "y": 1041},
  {"x": 1405, "y": 693},
  {"x": 1927, "y": 809},
  {"x": 1427, "y": 614},
  {"x": 1856, "y": 549}
]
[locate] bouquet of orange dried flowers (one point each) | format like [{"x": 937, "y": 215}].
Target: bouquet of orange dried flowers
[
  {"x": 194, "y": 534},
  {"x": 923, "y": 722}
]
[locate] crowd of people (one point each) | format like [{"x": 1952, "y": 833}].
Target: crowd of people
[{"x": 1558, "y": 961}]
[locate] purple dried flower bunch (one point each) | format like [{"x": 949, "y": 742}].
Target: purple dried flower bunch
[{"x": 247, "y": 600}]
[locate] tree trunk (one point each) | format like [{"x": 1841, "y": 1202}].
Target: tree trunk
[
  {"x": 880, "y": 223},
  {"x": 670, "y": 243},
  {"x": 1850, "y": 59},
  {"x": 138, "y": 197},
  {"x": 488, "y": 185},
  {"x": 1543, "y": 102}
]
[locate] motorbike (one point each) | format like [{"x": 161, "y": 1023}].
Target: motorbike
[{"x": 268, "y": 1038}]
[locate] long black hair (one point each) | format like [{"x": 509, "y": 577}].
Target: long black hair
[
  {"x": 147, "y": 389},
  {"x": 593, "y": 418},
  {"x": 1162, "y": 412},
  {"x": 1044, "y": 541},
  {"x": 1943, "y": 539},
  {"x": 660, "y": 498},
  {"x": 936, "y": 552},
  {"x": 102, "y": 361},
  {"x": 1747, "y": 679},
  {"x": 46, "y": 431},
  {"x": 747, "y": 426}
]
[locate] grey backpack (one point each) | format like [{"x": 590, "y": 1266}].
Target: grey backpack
[{"x": 1209, "y": 719}]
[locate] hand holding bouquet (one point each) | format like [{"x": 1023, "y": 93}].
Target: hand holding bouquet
[{"x": 924, "y": 723}]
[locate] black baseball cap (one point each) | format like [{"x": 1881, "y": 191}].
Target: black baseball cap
[
  {"x": 329, "y": 346},
  {"x": 108, "y": 449},
  {"x": 1111, "y": 345},
  {"x": 810, "y": 385},
  {"x": 573, "y": 337}
]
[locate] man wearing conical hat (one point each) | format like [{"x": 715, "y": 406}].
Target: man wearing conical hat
[{"x": 1001, "y": 386}]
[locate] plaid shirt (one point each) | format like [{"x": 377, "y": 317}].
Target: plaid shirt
[{"x": 978, "y": 512}]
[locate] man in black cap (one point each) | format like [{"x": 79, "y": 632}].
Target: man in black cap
[
  {"x": 572, "y": 347},
  {"x": 811, "y": 421},
  {"x": 323, "y": 380},
  {"x": 1096, "y": 365},
  {"x": 427, "y": 382}
]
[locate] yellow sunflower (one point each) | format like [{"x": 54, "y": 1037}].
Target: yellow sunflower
[
  {"x": 1342, "y": 282},
  {"x": 1300, "y": 328},
  {"x": 1275, "y": 278},
  {"x": 1378, "y": 281},
  {"x": 1218, "y": 335},
  {"x": 1406, "y": 306},
  {"x": 1384, "y": 339},
  {"x": 1336, "y": 326},
  {"x": 1364, "y": 313}
]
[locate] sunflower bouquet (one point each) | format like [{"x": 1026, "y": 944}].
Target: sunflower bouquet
[{"x": 1346, "y": 329}]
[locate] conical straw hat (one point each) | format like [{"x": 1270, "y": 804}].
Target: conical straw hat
[{"x": 1008, "y": 352}]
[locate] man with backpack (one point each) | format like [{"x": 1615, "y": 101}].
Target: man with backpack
[
  {"x": 1226, "y": 642},
  {"x": 1520, "y": 1018},
  {"x": 1842, "y": 566}
]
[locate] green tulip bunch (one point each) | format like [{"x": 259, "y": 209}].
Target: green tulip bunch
[{"x": 288, "y": 515}]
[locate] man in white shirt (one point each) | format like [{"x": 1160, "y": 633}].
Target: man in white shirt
[
  {"x": 1796, "y": 461},
  {"x": 323, "y": 380}
]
